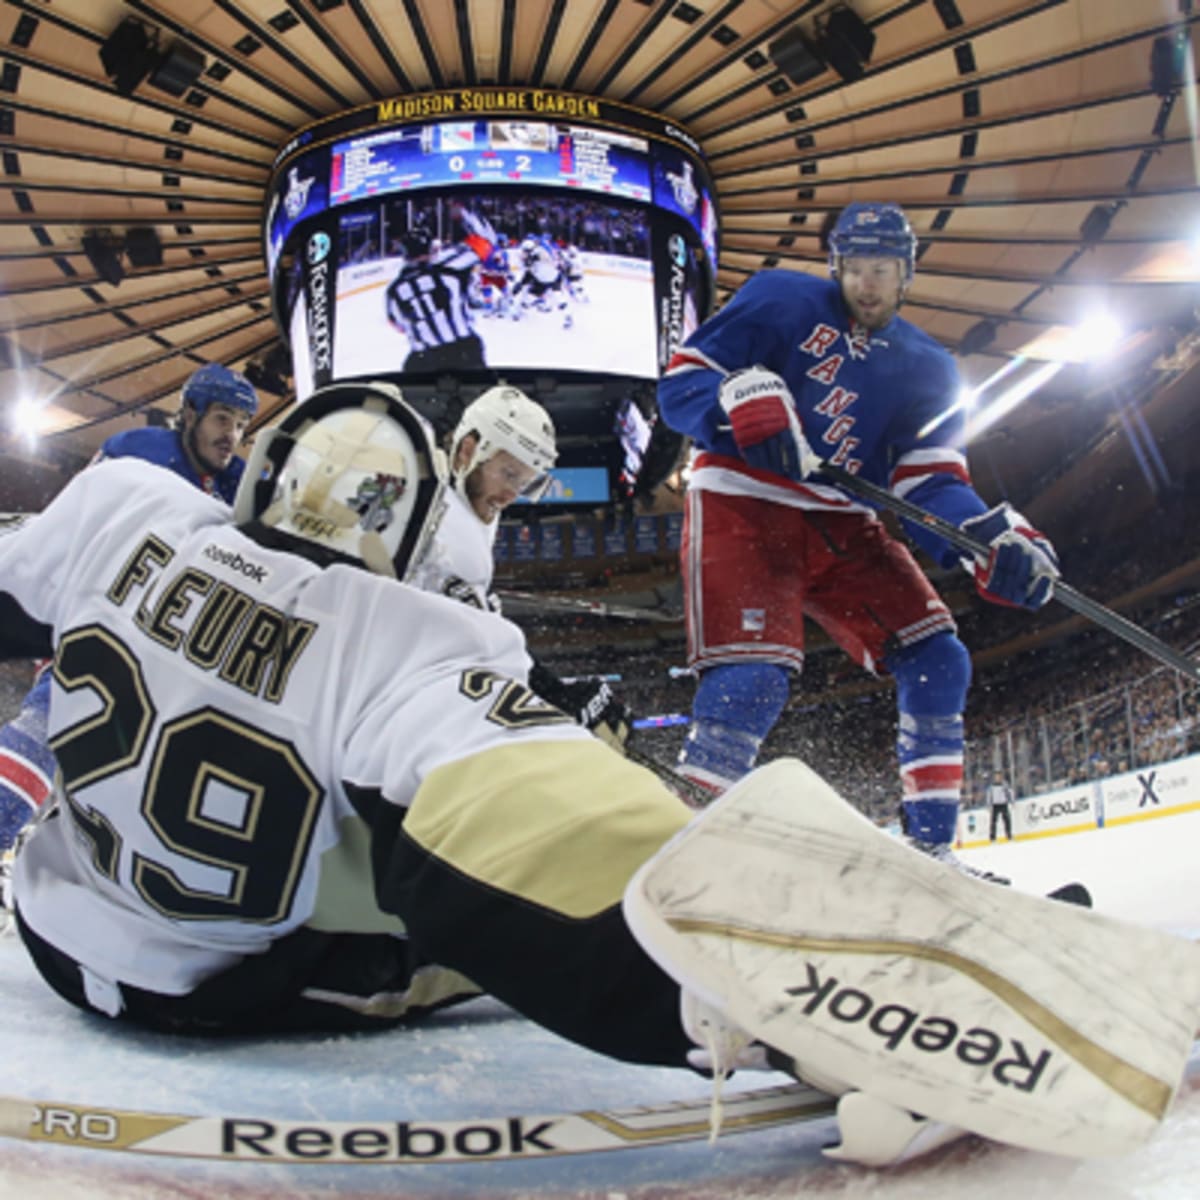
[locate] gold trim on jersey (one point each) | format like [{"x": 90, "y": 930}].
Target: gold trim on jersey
[{"x": 562, "y": 824}]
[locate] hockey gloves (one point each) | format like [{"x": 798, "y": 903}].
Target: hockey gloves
[
  {"x": 763, "y": 418},
  {"x": 1020, "y": 567},
  {"x": 600, "y": 711},
  {"x": 590, "y": 702}
]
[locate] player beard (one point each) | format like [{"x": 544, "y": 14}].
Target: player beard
[
  {"x": 212, "y": 468},
  {"x": 876, "y": 315}
]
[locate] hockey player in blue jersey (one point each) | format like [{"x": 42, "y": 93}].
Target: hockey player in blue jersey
[
  {"x": 217, "y": 405},
  {"x": 495, "y": 280},
  {"x": 793, "y": 371}
]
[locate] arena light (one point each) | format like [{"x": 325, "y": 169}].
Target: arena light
[
  {"x": 1096, "y": 338},
  {"x": 28, "y": 417}
]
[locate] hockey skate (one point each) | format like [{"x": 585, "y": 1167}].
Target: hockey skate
[
  {"x": 1033, "y": 1023},
  {"x": 875, "y": 1133},
  {"x": 943, "y": 854}
]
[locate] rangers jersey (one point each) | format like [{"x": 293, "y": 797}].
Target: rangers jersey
[
  {"x": 164, "y": 448},
  {"x": 880, "y": 404},
  {"x": 215, "y": 707}
]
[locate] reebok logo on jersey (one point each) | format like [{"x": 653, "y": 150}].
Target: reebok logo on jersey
[
  {"x": 230, "y": 559},
  {"x": 1011, "y": 1063}
]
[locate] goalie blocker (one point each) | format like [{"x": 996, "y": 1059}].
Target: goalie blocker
[{"x": 1024, "y": 1020}]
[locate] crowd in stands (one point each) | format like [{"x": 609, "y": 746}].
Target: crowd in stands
[{"x": 1082, "y": 705}]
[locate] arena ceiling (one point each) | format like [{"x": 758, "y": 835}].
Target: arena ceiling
[{"x": 1048, "y": 171}]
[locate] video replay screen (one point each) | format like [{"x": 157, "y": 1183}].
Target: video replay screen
[{"x": 492, "y": 245}]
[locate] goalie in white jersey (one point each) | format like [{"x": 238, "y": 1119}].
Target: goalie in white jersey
[
  {"x": 276, "y": 758},
  {"x": 274, "y": 761}
]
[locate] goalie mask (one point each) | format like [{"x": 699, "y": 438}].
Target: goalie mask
[
  {"x": 504, "y": 418},
  {"x": 351, "y": 475}
]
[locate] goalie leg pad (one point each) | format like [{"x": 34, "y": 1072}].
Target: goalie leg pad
[{"x": 1028, "y": 1022}]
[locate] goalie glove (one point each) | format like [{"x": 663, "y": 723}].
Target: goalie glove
[
  {"x": 762, "y": 416},
  {"x": 1020, "y": 567}
]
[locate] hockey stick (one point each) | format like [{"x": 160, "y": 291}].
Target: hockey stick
[
  {"x": 690, "y": 792},
  {"x": 1116, "y": 624},
  {"x": 404, "y": 1140},
  {"x": 595, "y": 608}
]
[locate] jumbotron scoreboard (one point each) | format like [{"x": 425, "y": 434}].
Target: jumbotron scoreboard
[{"x": 594, "y": 224}]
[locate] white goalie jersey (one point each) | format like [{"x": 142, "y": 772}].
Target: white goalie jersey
[
  {"x": 213, "y": 701},
  {"x": 459, "y": 560}
]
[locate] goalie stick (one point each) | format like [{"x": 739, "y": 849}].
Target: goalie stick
[
  {"x": 1066, "y": 595},
  {"x": 405, "y": 1139}
]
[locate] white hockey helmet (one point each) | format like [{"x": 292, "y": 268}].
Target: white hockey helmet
[
  {"x": 352, "y": 474},
  {"x": 504, "y": 418}
]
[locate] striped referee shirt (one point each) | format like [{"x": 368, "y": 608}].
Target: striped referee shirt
[{"x": 429, "y": 298}]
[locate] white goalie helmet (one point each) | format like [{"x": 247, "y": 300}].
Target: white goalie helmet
[
  {"x": 505, "y": 418},
  {"x": 352, "y": 474}
]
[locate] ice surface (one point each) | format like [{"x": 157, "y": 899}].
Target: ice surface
[{"x": 484, "y": 1061}]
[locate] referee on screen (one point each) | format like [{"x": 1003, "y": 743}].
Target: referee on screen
[{"x": 429, "y": 301}]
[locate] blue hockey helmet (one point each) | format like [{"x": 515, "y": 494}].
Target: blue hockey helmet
[
  {"x": 873, "y": 230},
  {"x": 214, "y": 383}
]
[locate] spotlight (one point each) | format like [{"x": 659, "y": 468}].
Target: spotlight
[
  {"x": 1095, "y": 224},
  {"x": 1168, "y": 63},
  {"x": 28, "y": 417},
  {"x": 143, "y": 247},
  {"x": 847, "y": 42},
  {"x": 270, "y": 371},
  {"x": 177, "y": 69},
  {"x": 1097, "y": 337},
  {"x": 128, "y": 54},
  {"x": 793, "y": 53},
  {"x": 103, "y": 251},
  {"x": 131, "y": 52}
]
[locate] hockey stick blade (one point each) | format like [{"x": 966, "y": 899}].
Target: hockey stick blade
[
  {"x": 405, "y": 1140},
  {"x": 1071, "y": 893},
  {"x": 1066, "y": 595}
]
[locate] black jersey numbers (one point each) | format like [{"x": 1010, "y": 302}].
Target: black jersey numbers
[
  {"x": 114, "y": 738},
  {"x": 232, "y": 807},
  {"x": 515, "y": 706},
  {"x": 227, "y": 796}
]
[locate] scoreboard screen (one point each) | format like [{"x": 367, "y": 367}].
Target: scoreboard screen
[
  {"x": 475, "y": 232},
  {"x": 470, "y": 153}
]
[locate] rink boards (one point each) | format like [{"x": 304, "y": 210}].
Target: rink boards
[{"x": 1163, "y": 790}]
